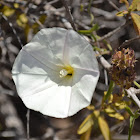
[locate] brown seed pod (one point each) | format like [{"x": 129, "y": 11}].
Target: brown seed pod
[{"x": 122, "y": 71}]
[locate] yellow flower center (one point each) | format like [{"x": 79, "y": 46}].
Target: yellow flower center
[{"x": 66, "y": 71}]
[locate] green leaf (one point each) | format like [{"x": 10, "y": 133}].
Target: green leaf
[
  {"x": 26, "y": 31},
  {"x": 136, "y": 84},
  {"x": 117, "y": 116},
  {"x": 135, "y": 5},
  {"x": 138, "y": 6},
  {"x": 122, "y": 13},
  {"x": 92, "y": 18},
  {"x": 104, "y": 128},
  {"x": 96, "y": 113},
  {"x": 137, "y": 114},
  {"x": 90, "y": 107},
  {"x": 94, "y": 28},
  {"x": 86, "y": 124},
  {"x": 109, "y": 110},
  {"x": 86, "y": 135},
  {"x": 22, "y": 20},
  {"x": 108, "y": 45},
  {"x": 16, "y": 5},
  {"x": 120, "y": 105},
  {"x": 136, "y": 22},
  {"x": 129, "y": 111},
  {"x": 7, "y": 11},
  {"x": 132, "y": 120},
  {"x": 112, "y": 113}
]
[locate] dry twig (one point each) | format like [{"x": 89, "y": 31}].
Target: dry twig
[
  {"x": 133, "y": 96},
  {"x": 13, "y": 29},
  {"x": 127, "y": 42},
  {"x": 28, "y": 124},
  {"x": 113, "y": 5},
  {"x": 114, "y": 31},
  {"x": 69, "y": 14},
  {"x": 10, "y": 118}
]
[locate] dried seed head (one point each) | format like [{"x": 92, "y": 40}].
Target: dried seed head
[{"x": 122, "y": 71}]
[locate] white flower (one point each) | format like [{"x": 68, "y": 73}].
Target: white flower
[{"x": 56, "y": 73}]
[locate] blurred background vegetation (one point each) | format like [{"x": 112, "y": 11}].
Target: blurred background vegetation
[{"x": 107, "y": 24}]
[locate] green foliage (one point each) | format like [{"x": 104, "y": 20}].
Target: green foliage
[
  {"x": 136, "y": 84},
  {"x": 109, "y": 92},
  {"x": 86, "y": 135},
  {"x": 16, "y": 11},
  {"x": 92, "y": 120},
  {"x": 135, "y": 6},
  {"x": 104, "y": 128},
  {"x": 7, "y": 11},
  {"x": 122, "y": 13},
  {"x": 86, "y": 124},
  {"x": 113, "y": 104},
  {"x": 22, "y": 20},
  {"x": 90, "y": 31},
  {"x": 133, "y": 117},
  {"x": 136, "y": 22}
]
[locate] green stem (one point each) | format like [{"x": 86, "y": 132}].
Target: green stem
[
  {"x": 89, "y": 6},
  {"x": 136, "y": 84},
  {"x": 132, "y": 120},
  {"x": 89, "y": 12},
  {"x": 110, "y": 89}
]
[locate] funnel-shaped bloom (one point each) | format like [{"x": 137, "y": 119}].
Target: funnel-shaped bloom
[{"x": 56, "y": 73}]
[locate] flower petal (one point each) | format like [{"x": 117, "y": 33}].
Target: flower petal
[
  {"x": 26, "y": 63},
  {"x": 81, "y": 54},
  {"x": 52, "y": 101},
  {"x": 84, "y": 83},
  {"x": 48, "y": 45}
]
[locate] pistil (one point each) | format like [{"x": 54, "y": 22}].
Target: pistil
[{"x": 66, "y": 71}]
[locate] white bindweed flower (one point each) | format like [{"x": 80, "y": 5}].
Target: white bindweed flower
[{"x": 56, "y": 73}]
